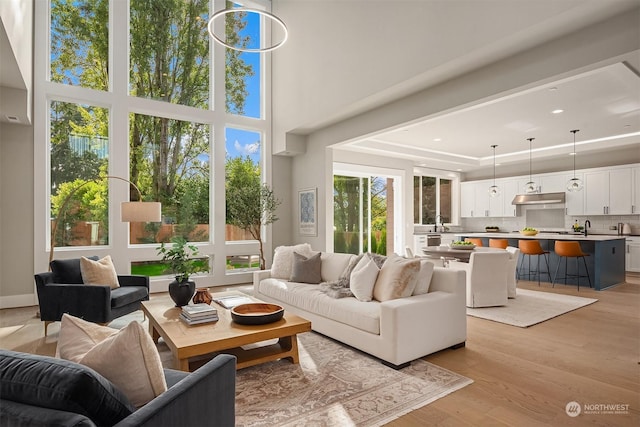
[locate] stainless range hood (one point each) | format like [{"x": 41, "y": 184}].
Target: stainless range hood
[{"x": 538, "y": 198}]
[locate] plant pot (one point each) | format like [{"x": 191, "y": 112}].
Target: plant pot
[{"x": 181, "y": 292}]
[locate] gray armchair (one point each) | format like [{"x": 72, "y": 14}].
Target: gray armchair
[
  {"x": 62, "y": 291},
  {"x": 45, "y": 391}
]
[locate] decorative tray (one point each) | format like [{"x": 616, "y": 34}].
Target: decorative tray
[{"x": 256, "y": 313}]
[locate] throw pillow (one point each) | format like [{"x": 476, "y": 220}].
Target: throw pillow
[
  {"x": 283, "y": 259},
  {"x": 397, "y": 278},
  {"x": 306, "y": 270},
  {"x": 67, "y": 271},
  {"x": 101, "y": 272},
  {"x": 128, "y": 358},
  {"x": 423, "y": 279},
  {"x": 363, "y": 279}
]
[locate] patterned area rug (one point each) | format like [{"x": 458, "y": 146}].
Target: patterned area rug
[
  {"x": 335, "y": 385},
  {"x": 531, "y": 307}
]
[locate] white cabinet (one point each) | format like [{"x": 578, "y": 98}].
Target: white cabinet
[
  {"x": 633, "y": 254},
  {"x": 481, "y": 192},
  {"x": 552, "y": 183},
  {"x": 467, "y": 199},
  {"x": 574, "y": 201},
  {"x": 509, "y": 189},
  {"x": 608, "y": 192}
]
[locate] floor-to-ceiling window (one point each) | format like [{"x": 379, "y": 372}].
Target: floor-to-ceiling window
[
  {"x": 432, "y": 199},
  {"x": 137, "y": 89}
]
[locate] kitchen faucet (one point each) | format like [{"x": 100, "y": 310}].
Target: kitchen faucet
[
  {"x": 435, "y": 225},
  {"x": 587, "y": 222}
]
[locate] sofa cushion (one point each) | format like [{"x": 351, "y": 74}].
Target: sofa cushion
[
  {"x": 397, "y": 278},
  {"x": 423, "y": 279},
  {"x": 283, "y": 259},
  {"x": 363, "y": 279},
  {"x": 101, "y": 272},
  {"x": 350, "y": 311},
  {"x": 68, "y": 270},
  {"x": 306, "y": 269},
  {"x": 125, "y": 295},
  {"x": 128, "y": 358},
  {"x": 334, "y": 265},
  {"x": 62, "y": 385}
]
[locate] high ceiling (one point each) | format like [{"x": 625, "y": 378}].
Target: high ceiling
[{"x": 603, "y": 104}]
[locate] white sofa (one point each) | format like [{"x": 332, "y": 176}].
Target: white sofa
[{"x": 396, "y": 331}]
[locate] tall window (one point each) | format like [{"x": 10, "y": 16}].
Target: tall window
[
  {"x": 432, "y": 200},
  {"x": 134, "y": 89}
]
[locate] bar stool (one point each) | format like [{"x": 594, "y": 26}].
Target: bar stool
[
  {"x": 530, "y": 248},
  {"x": 568, "y": 250},
  {"x": 498, "y": 243},
  {"x": 476, "y": 241}
]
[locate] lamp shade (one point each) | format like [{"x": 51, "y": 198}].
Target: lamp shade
[{"x": 140, "y": 212}]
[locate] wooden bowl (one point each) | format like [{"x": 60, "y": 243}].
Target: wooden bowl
[
  {"x": 528, "y": 233},
  {"x": 256, "y": 313}
]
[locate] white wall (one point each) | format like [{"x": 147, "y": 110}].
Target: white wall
[{"x": 16, "y": 215}]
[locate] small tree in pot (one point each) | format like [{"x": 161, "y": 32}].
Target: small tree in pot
[{"x": 182, "y": 262}]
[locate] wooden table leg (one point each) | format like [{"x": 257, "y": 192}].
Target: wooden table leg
[
  {"x": 155, "y": 336},
  {"x": 181, "y": 364},
  {"x": 289, "y": 345}
]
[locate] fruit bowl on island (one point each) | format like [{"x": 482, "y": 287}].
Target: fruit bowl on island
[{"x": 528, "y": 231}]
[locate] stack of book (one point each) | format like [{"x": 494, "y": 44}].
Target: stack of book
[{"x": 198, "y": 313}]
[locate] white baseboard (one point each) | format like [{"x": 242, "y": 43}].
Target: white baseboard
[{"x": 13, "y": 301}]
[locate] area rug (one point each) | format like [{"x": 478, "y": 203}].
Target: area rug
[
  {"x": 531, "y": 307},
  {"x": 335, "y": 385}
]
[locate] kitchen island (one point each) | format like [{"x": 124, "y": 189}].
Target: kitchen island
[{"x": 605, "y": 263}]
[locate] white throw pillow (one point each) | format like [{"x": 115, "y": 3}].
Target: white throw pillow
[
  {"x": 423, "y": 279},
  {"x": 363, "y": 279},
  {"x": 101, "y": 272},
  {"x": 397, "y": 278},
  {"x": 127, "y": 357},
  {"x": 283, "y": 259}
]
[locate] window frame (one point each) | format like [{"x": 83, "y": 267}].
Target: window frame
[{"x": 120, "y": 104}]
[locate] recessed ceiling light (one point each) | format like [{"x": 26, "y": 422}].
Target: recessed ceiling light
[
  {"x": 551, "y": 89},
  {"x": 459, "y": 170},
  {"x": 572, "y": 154},
  {"x": 627, "y": 126},
  {"x": 558, "y": 111},
  {"x": 437, "y": 139}
]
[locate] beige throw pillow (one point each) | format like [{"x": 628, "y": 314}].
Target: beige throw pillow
[
  {"x": 423, "y": 279},
  {"x": 397, "y": 278},
  {"x": 101, "y": 272},
  {"x": 283, "y": 259},
  {"x": 363, "y": 279},
  {"x": 127, "y": 357}
]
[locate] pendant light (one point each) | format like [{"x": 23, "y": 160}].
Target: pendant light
[
  {"x": 530, "y": 187},
  {"x": 494, "y": 190},
  {"x": 574, "y": 184},
  {"x": 261, "y": 13}
]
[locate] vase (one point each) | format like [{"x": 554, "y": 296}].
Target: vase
[
  {"x": 181, "y": 292},
  {"x": 202, "y": 296}
]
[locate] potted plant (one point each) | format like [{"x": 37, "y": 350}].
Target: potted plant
[{"x": 180, "y": 257}]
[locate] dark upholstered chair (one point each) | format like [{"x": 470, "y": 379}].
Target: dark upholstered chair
[
  {"x": 45, "y": 391},
  {"x": 62, "y": 291}
]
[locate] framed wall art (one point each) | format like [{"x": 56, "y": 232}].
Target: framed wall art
[{"x": 308, "y": 212}]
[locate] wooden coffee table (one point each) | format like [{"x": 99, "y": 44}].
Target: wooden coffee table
[{"x": 224, "y": 336}]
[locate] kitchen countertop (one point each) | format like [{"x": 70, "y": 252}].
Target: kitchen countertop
[{"x": 544, "y": 236}]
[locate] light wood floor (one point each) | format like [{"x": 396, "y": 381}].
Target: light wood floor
[{"x": 522, "y": 376}]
